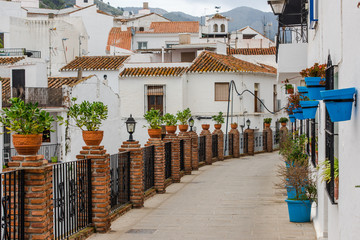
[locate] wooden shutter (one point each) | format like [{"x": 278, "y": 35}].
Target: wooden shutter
[{"x": 221, "y": 91}]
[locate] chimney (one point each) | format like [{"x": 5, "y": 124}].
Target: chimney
[
  {"x": 145, "y": 5},
  {"x": 79, "y": 75}
]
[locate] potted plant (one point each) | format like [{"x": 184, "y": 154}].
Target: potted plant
[
  {"x": 154, "y": 119},
  {"x": 267, "y": 122},
  {"x": 289, "y": 88},
  {"x": 183, "y": 117},
  {"x": 234, "y": 125},
  {"x": 218, "y": 119},
  {"x": 283, "y": 121},
  {"x": 326, "y": 174},
  {"x": 303, "y": 91},
  {"x": 294, "y": 105},
  {"x": 309, "y": 109},
  {"x": 315, "y": 80},
  {"x": 88, "y": 116},
  {"x": 170, "y": 122},
  {"x": 27, "y": 122}
]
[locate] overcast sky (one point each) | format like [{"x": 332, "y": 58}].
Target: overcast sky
[{"x": 193, "y": 7}]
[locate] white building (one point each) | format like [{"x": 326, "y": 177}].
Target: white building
[{"x": 248, "y": 37}]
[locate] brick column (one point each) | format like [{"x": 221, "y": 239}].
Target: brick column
[
  {"x": 250, "y": 141},
  {"x": 38, "y": 203},
  {"x": 159, "y": 163},
  {"x": 283, "y": 134},
  {"x": 175, "y": 156},
  {"x": 269, "y": 140},
  {"x": 194, "y": 151},
  {"x": 136, "y": 172},
  {"x": 208, "y": 150},
  {"x": 100, "y": 170},
  {"x": 236, "y": 134},
  {"x": 220, "y": 135},
  {"x": 187, "y": 151}
]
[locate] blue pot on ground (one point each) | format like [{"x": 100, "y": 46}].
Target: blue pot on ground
[
  {"x": 339, "y": 103},
  {"x": 314, "y": 87},
  {"x": 303, "y": 91},
  {"x": 309, "y": 108},
  {"x": 298, "y": 113},
  {"x": 299, "y": 210},
  {"x": 292, "y": 118},
  {"x": 291, "y": 192}
]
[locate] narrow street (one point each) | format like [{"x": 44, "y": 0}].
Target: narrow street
[{"x": 233, "y": 199}]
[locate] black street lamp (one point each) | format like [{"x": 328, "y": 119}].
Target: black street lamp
[
  {"x": 191, "y": 123},
  {"x": 130, "y": 127},
  {"x": 248, "y": 123},
  {"x": 277, "y": 6}
]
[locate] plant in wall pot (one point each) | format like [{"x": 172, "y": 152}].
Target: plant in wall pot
[
  {"x": 154, "y": 119},
  {"x": 27, "y": 122},
  {"x": 218, "y": 119},
  {"x": 315, "y": 80},
  {"x": 183, "y": 117},
  {"x": 170, "y": 122},
  {"x": 88, "y": 116},
  {"x": 326, "y": 174},
  {"x": 294, "y": 105},
  {"x": 283, "y": 121},
  {"x": 267, "y": 122}
]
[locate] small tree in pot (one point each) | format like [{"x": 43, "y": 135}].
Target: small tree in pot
[
  {"x": 267, "y": 122},
  {"x": 154, "y": 119},
  {"x": 28, "y": 123},
  {"x": 218, "y": 119},
  {"x": 183, "y": 117},
  {"x": 170, "y": 121},
  {"x": 283, "y": 121}
]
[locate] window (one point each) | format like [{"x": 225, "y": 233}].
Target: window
[
  {"x": 155, "y": 97},
  {"x": 141, "y": 29},
  {"x": 142, "y": 45},
  {"x": 257, "y": 104},
  {"x": 216, "y": 28},
  {"x": 222, "y": 27},
  {"x": 46, "y": 136},
  {"x": 85, "y": 1},
  {"x": 314, "y": 9},
  {"x": 187, "y": 56},
  {"x": 221, "y": 91}
]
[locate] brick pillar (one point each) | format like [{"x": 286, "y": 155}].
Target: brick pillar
[
  {"x": 187, "y": 151},
  {"x": 250, "y": 141},
  {"x": 136, "y": 172},
  {"x": 220, "y": 135},
  {"x": 269, "y": 140},
  {"x": 194, "y": 151},
  {"x": 236, "y": 134},
  {"x": 283, "y": 134},
  {"x": 175, "y": 156},
  {"x": 38, "y": 204},
  {"x": 100, "y": 170},
  {"x": 159, "y": 163},
  {"x": 208, "y": 150}
]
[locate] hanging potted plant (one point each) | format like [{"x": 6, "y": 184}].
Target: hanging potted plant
[
  {"x": 303, "y": 91},
  {"x": 294, "y": 105},
  {"x": 283, "y": 121},
  {"x": 154, "y": 119},
  {"x": 315, "y": 80},
  {"x": 88, "y": 116},
  {"x": 27, "y": 122},
  {"x": 326, "y": 174},
  {"x": 267, "y": 122},
  {"x": 309, "y": 109},
  {"x": 339, "y": 103},
  {"x": 218, "y": 119},
  {"x": 289, "y": 88},
  {"x": 183, "y": 117},
  {"x": 170, "y": 122}
]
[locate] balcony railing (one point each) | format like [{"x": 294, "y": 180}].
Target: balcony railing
[
  {"x": 20, "y": 52},
  {"x": 295, "y": 34}
]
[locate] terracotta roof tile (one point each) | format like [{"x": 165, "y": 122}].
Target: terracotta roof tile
[
  {"x": 174, "y": 27},
  {"x": 252, "y": 51},
  {"x": 91, "y": 63},
  {"x": 58, "y": 82},
  {"x": 10, "y": 60},
  {"x": 153, "y": 72},
  {"x": 212, "y": 62},
  {"x": 118, "y": 38}
]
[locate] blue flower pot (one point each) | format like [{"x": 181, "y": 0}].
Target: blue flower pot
[
  {"x": 298, "y": 113},
  {"x": 309, "y": 108},
  {"x": 292, "y": 118},
  {"x": 339, "y": 103},
  {"x": 291, "y": 192},
  {"x": 314, "y": 87},
  {"x": 299, "y": 210},
  {"x": 303, "y": 91}
]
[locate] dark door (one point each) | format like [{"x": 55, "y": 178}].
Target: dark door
[{"x": 18, "y": 83}]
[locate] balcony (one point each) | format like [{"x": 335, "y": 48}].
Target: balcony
[{"x": 19, "y": 52}]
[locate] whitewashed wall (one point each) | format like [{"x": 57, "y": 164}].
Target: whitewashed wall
[{"x": 156, "y": 41}]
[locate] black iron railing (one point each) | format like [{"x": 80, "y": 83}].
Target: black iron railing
[
  {"x": 167, "y": 160},
  {"x": 182, "y": 155},
  {"x": 119, "y": 179},
  {"x": 49, "y": 151},
  {"x": 72, "y": 197},
  {"x": 231, "y": 144},
  {"x": 148, "y": 158},
  {"x": 313, "y": 142},
  {"x": 19, "y": 52},
  {"x": 246, "y": 142},
  {"x": 202, "y": 148},
  {"x": 214, "y": 145}
]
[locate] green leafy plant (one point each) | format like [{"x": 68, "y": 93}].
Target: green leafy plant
[
  {"x": 170, "y": 119},
  {"x": 54, "y": 159},
  {"x": 326, "y": 170},
  {"x": 183, "y": 116},
  {"x": 293, "y": 150},
  {"x": 154, "y": 119},
  {"x": 87, "y": 115},
  {"x": 283, "y": 120},
  {"x": 267, "y": 120},
  {"x": 219, "y": 119},
  {"x": 25, "y": 118}
]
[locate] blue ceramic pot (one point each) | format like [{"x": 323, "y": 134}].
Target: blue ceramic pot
[
  {"x": 298, "y": 113},
  {"x": 303, "y": 91},
  {"x": 339, "y": 103},
  {"x": 314, "y": 87},
  {"x": 309, "y": 108},
  {"x": 292, "y": 118},
  {"x": 291, "y": 192},
  {"x": 299, "y": 210}
]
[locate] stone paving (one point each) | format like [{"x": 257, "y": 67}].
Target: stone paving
[{"x": 233, "y": 199}]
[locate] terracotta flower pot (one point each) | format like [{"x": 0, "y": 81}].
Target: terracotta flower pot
[
  {"x": 205, "y": 126},
  {"x": 234, "y": 125},
  {"x": 27, "y": 144},
  {"x": 93, "y": 138},
  {"x": 183, "y": 128},
  {"x": 171, "y": 129},
  {"x": 283, "y": 124},
  {"x": 290, "y": 91},
  {"x": 336, "y": 188},
  {"x": 267, "y": 125},
  {"x": 217, "y": 126},
  {"x": 154, "y": 133}
]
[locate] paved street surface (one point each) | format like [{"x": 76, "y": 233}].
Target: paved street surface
[{"x": 233, "y": 199}]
